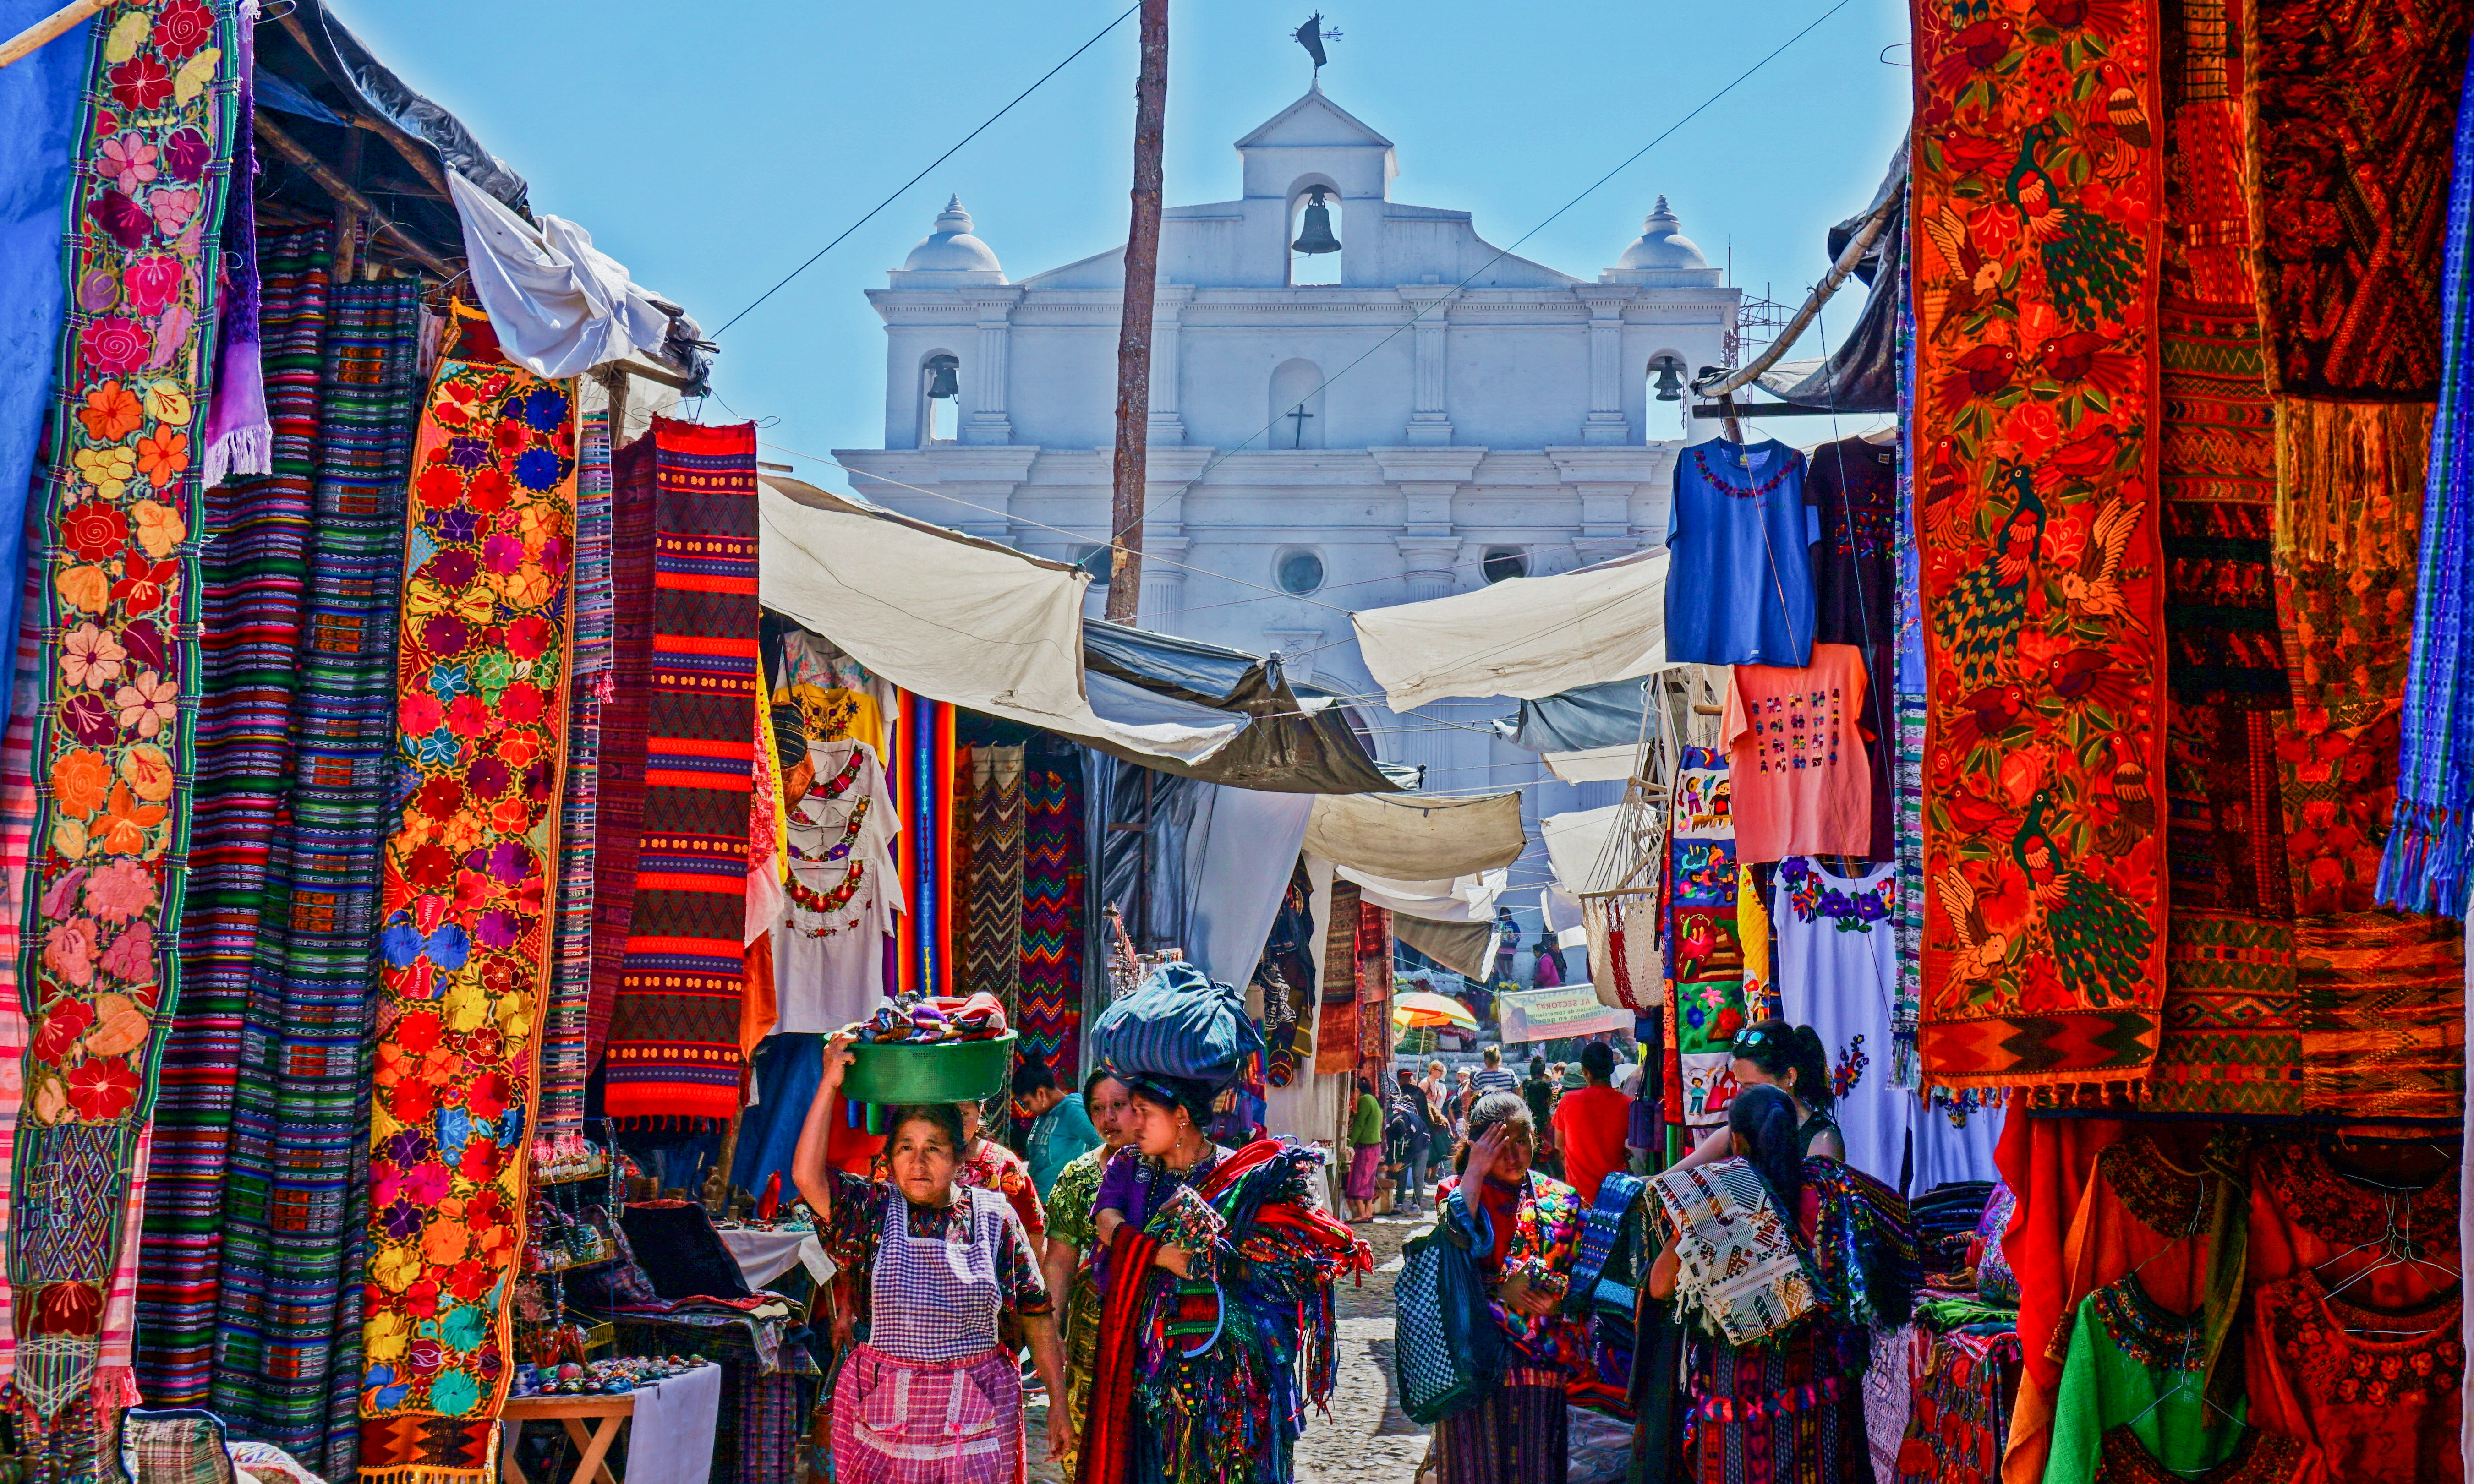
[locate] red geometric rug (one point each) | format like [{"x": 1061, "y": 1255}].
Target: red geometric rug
[{"x": 674, "y": 1053}]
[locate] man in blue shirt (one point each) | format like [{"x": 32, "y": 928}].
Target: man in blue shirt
[{"x": 1061, "y": 1127}]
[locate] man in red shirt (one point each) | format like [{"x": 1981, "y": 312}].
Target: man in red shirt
[{"x": 1590, "y": 1123}]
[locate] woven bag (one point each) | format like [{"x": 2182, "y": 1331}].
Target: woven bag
[{"x": 1446, "y": 1352}]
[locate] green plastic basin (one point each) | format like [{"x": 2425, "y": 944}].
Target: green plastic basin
[{"x": 962, "y": 1071}]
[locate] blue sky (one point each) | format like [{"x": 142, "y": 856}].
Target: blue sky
[{"x": 711, "y": 147}]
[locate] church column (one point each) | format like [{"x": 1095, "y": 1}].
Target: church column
[
  {"x": 988, "y": 422},
  {"x": 1429, "y": 541},
  {"x": 1606, "y": 422},
  {"x": 1170, "y": 302},
  {"x": 1167, "y": 472},
  {"x": 1163, "y": 596},
  {"x": 1430, "y": 422}
]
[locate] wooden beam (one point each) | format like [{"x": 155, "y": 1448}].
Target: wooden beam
[
  {"x": 51, "y": 28},
  {"x": 1129, "y": 485},
  {"x": 402, "y": 143},
  {"x": 342, "y": 190}
]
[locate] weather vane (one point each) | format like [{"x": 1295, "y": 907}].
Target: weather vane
[{"x": 1312, "y": 35}]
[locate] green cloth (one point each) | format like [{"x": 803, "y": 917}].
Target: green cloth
[
  {"x": 1366, "y": 1128},
  {"x": 2125, "y": 1353},
  {"x": 1057, "y": 1137},
  {"x": 1071, "y": 1218}
]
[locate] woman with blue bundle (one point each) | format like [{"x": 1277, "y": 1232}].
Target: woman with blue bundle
[
  {"x": 1214, "y": 1273},
  {"x": 1780, "y": 1266}
]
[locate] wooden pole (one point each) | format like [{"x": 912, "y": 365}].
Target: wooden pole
[
  {"x": 342, "y": 190},
  {"x": 1134, "y": 328},
  {"x": 51, "y": 28},
  {"x": 348, "y": 216}
]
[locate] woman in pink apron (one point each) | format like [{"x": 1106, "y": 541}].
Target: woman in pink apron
[{"x": 929, "y": 1397}]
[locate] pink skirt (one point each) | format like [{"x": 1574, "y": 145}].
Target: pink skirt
[
  {"x": 1366, "y": 1172},
  {"x": 910, "y": 1422}
]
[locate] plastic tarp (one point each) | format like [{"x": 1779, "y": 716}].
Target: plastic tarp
[
  {"x": 1575, "y": 844},
  {"x": 349, "y": 66},
  {"x": 1241, "y": 850},
  {"x": 1527, "y": 637},
  {"x": 1468, "y": 898},
  {"x": 560, "y": 305},
  {"x": 1466, "y": 948},
  {"x": 950, "y": 617},
  {"x": 1580, "y": 720},
  {"x": 1407, "y": 838},
  {"x": 1294, "y": 742},
  {"x": 1861, "y": 375}
]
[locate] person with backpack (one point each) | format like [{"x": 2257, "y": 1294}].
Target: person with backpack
[{"x": 1410, "y": 1134}]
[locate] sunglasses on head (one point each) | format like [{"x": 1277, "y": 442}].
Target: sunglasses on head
[{"x": 1751, "y": 1038}]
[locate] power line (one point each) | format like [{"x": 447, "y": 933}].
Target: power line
[{"x": 923, "y": 174}]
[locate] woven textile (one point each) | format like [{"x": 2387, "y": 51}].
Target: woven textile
[
  {"x": 252, "y": 576},
  {"x": 673, "y": 1050},
  {"x": 992, "y": 902},
  {"x": 2351, "y": 109},
  {"x": 568, "y": 1020},
  {"x": 2232, "y": 1042},
  {"x": 2038, "y": 184},
  {"x": 1050, "y": 1023},
  {"x": 2224, "y": 822},
  {"x": 295, "y": 1197},
  {"x": 1741, "y": 1272},
  {"x": 1961, "y": 1427},
  {"x": 1908, "y": 997},
  {"x": 118, "y": 666},
  {"x": 618, "y": 814},
  {"x": 465, "y": 949},
  {"x": 1336, "y": 1023},
  {"x": 16, "y": 841},
  {"x": 2430, "y": 857},
  {"x": 2383, "y": 1015},
  {"x": 1373, "y": 1007}
]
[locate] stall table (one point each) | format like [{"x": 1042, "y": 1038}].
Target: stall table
[{"x": 690, "y": 1404}]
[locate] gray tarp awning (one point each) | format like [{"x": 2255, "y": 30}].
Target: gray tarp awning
[
  {"x": 1862, "y": 375},
  {"x": 1577, "y": 721},
  {"x": 349, "y": 65},
  {"x": 1292, "y": 744}
]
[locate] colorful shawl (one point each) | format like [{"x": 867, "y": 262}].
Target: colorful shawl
[
  {"x": 1336, "y": 1012},
  {"x": 481, "y": 725},
  {"x": 2382, "y": 1013},
  {"x": 239, "y": 435},
  {"x": 287, "y": 1367},
  {"x": 99, "y": 972},
  {"x": 992, "y": 930},
  {"x": 2429, "y": 865},
  {"x": 2038, "y": 184},
  {"x": 252, "y": 579},
  {"x": 673, "y": 1051},
  {"x": 566, "y": 1024},
  {"x": 1051, "y": 916},
  {"x": 1743, "y": 1273}
]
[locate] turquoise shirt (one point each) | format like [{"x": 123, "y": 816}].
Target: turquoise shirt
[{"x": 1058, "y": 1137}]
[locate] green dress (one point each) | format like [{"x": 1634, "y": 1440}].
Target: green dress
[
  {"x": 2127, "y": 1351},
  {"x": 1070, "y": 1220}
]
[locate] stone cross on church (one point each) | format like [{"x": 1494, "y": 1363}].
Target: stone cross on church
[{"x": 1502, "y": 420}]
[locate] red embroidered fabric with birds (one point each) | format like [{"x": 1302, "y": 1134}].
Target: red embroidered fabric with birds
[{"x": 2037, "y": 189}]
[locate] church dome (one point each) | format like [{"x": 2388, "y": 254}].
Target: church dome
[
  {"x": 951, "y": 249},
  {"x": 1660, "y": 245}
]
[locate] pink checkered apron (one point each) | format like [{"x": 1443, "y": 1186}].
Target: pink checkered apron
[{"x": 930, "y": 1398}]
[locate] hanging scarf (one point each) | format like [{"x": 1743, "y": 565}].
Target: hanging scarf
[
  {"x": 240, "y": 432},
  {"x": 2429, "y": 864}
]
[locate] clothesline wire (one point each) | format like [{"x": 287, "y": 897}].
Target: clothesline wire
[
  {"x": 923, "y": 174},
  {"x": 1441, "y": 300}
]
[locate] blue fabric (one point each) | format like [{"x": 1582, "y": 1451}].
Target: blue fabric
[
  {"x": 1739, "y": 590},
  {"x": 1057, "y": 1139},
  {"x": 1177, "y": 1025},
  {"x": 38, "y": 103},
  {"x": 787, "y": 1068},
  {"x": 2428, "y": 864}
]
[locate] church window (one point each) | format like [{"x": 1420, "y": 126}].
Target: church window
[
  {"x": 1300, "y": 572},
  {"x": 1504, "y": 563}
]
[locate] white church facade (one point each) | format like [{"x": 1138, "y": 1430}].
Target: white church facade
[{"x": 1433, "y": 414}]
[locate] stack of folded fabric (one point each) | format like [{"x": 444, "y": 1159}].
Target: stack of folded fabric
[{"x": 1945, "y": 1218}]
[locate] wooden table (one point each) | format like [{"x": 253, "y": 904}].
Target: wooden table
[{"x": 573, "y": 1411}]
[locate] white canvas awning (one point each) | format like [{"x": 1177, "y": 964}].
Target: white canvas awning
[
  {"x": 1407, "y": 838},
  {"x": 1576, "y": 843},
  {"x": 1527, "y": 637},
  {"x": 1467, "y": 899},
  {"x": 950, "y": 617}
]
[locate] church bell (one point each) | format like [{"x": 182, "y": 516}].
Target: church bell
[
  {"x": 1317, "y": 237},
  {"x": 941, "y": 381}
]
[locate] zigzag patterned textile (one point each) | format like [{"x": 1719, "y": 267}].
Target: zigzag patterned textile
[
  {"x": 1050, "y": 1023},
  {"x": 295, "y": 1201},
  {"x": 481, "y": 725},
  {"x": 566, "y": 1027},
  {"x": 2233, "y": 1040},
  {"x": 2038, "y": 184},
  {"x": 618, "y": 816},
  {"x": 1336, "y": 1014},
  {"x": 992, "y": 924},
  {"x": 99, "y": 972},
  {"x": 673, "y": 1052},
  {"x": 2383, "y": 1016},
  {"x": 253, "y": 572}
]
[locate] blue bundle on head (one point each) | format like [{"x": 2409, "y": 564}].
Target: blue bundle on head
[{"x": 1179, "y": 1026}]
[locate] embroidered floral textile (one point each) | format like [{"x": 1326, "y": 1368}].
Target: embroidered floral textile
[{"x": 465, "y": 949}]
